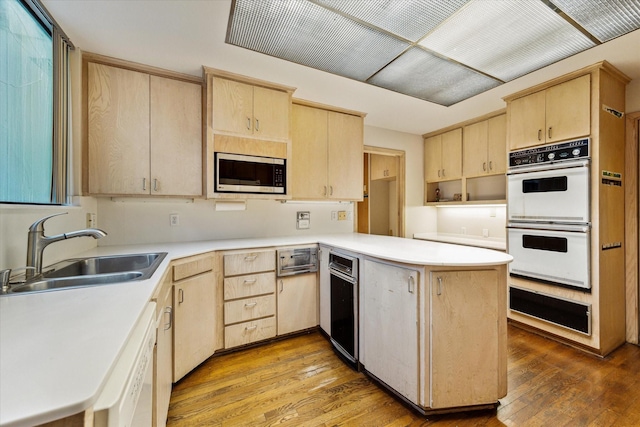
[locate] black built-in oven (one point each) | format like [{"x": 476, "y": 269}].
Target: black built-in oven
[{"x": 344, "y": 306}]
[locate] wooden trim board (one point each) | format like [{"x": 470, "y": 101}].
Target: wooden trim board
[{"x": 631, "y": 197}]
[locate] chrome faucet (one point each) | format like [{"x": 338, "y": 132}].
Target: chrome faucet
[{"x": 37, "y": 241}]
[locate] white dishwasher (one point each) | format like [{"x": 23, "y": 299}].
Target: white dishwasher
[{"x": 127, "y": 398}]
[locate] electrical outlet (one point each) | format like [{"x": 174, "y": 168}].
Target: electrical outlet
[
  {"x": 334, "y": 215},
  {"x": 463, "y": 230},
  {"x": 92, "y": 220},
  {"x": 342, "y": 215},
  {"x": 174, "y": 220},
  {"x": 485, "y": 232}
]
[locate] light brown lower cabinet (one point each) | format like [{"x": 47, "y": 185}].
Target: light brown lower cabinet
[
  {"x": 464, "y": 336},
  {"x": 194, "y": 308},
  {"x": 163, "y": 355},
  {"x": 297, "y": 303},
  {"x": 436, "y": 337}
]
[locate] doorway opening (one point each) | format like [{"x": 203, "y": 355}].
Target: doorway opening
[{"x": 382, "y": 208}]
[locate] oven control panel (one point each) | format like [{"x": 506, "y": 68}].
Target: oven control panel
[{"x": 570, "y": 150}]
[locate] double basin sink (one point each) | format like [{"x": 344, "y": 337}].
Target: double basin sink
[{"x": 83, "y": 272}]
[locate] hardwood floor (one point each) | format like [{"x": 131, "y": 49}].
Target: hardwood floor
[{"x": 300, "y": 382}]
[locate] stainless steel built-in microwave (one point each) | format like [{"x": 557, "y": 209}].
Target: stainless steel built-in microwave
[{"x": 237, "y": 173}]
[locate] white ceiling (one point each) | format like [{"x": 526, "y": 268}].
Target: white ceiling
[{"x": 183, "y": 35}]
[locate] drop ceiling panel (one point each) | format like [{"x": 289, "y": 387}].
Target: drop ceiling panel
[
  {"x": 308, "y": 34},
  {"x": 423, "y": 75},
  {"x": 408, "y": 19},
  {"x": 605, "y": 19},
  {"x": 506, "y": 39}
]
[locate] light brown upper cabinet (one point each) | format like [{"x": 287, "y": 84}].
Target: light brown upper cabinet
[
  {"x": 383, "y": 167},
  {"x": 144, "y": 134},
  {"x": 485, "y": 147},
  {"x": 443, "y": 156},
  {"x": 326, "y": 154},
  {"x": 249, "y": 110},
  {"x": 558, "y": 113}
]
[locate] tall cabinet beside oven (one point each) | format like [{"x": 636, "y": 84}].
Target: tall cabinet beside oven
[{"x": 588, "y": 103}]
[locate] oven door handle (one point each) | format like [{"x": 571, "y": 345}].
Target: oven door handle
[
  {"x": 565, "y": 164},
  {"x": 575, "y": 228}
]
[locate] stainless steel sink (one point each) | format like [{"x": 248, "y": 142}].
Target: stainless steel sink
[
  {"x": 94, "y": 271},
  {"x": 75, "y": 282},
  {"x": 103, "y": 265}
]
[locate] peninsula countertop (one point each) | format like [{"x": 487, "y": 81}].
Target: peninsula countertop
[{"x": 58, "y": 348}]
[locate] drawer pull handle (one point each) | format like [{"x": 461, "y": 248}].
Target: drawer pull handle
[
  {"x": 251, "y": 328},
  {"x": 249, "y": 281},
  {"x": 250, "y": 258},
  {"x": 250, "y": 304}
]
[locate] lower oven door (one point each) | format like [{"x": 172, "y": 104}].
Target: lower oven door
[
  {"x": 555, "y": 255},
  {"x": 549, "y": 193}
]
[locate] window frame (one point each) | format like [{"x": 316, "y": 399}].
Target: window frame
[{"x": 60, "y": 189}]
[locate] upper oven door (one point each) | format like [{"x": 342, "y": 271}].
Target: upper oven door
[{"x": 553, "y": 193}]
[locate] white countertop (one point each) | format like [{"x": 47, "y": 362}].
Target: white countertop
[
  {"x": 58, "y": 348},
  {"x": 497, "y": 243}
]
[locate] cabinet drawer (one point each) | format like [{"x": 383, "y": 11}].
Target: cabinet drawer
[
  {"x": 191, "y": 268},
  {"x": 250, "y": 308},
  {"x": 249, "y": 262},
  {"x": 250, "y": 285},
  {"x": 248, "y": 332}
]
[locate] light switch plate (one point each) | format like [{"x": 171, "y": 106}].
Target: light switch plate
[{"x": 303, "y": 220}]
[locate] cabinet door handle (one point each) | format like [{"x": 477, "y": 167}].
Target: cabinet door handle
[
  {"x": 144, "y": 183},
  {"x": 549, "y": 132},
  {"x": 438, "y": 173},
  {"x": 539, "y": 134},
  {"x": 281, "y": 286},
  {"x": 443, "y": 173},
  {"x": 411, "y": 284},
  {"x": 248, "y": 123},
  {"x": 257, "y": 125},
  {"x": 169, "y": 311},
  {"x": 251, "y": 328},
  {"x": 439, "y": 292},
  {"x": 249, "y": 281},
  {"x": 484, "y": 166},
  {"x": 324, "y": 192},
  {"x": 251, "y": 304},
  {"x": 180, "y": 296},
  {"x": 331, "y": 190},
  {"x": 490, "y": 165},
  {"x": 155, "y": 184},
  {"x": 250, "y": 258}
]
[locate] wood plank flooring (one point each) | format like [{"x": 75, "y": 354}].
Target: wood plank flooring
[{"x": 300, "y": 382}]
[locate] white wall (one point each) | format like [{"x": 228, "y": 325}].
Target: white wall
[
  {"x": 451, "y": 219},
  {"x": 147, "y": 221},
  {"x": 418, "y": 218},
  {"x": 15, "y": 222}
]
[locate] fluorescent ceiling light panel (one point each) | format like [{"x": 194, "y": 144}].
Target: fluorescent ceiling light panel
[
  {"x": 410, "y": 20},
  {"x": 426, "y": 76},
  {"x": 308, "y": 34},
  {"x": 506, "y": 39},
  {"x": 605, "y": 19}
]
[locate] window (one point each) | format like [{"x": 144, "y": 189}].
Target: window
[{"x": 33, "y": 105}]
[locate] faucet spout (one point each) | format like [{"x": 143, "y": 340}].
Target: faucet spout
[{"x": 37, "y": 242}]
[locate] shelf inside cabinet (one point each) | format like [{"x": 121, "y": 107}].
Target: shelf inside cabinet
[
  {"x": 447, "y": 191},
  {"x": 483, "y": 188}
]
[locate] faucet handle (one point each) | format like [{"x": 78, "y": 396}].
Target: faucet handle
[{"x": 39, "y": 224}]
